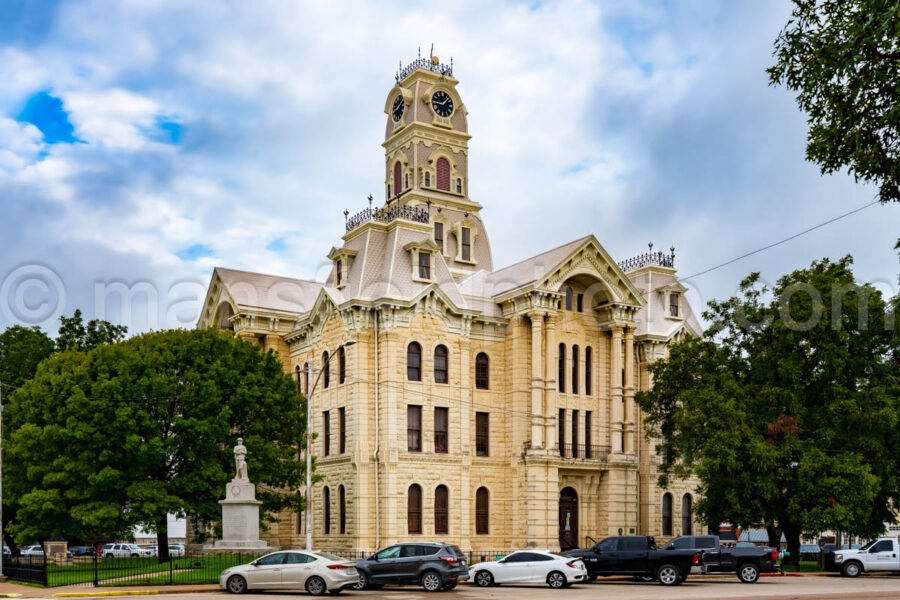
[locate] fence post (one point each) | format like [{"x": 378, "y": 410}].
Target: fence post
[
  {"x": 96, "y": 570},
  {"x": 171, "y": 560},
  {"x": 46, "y": 579}
]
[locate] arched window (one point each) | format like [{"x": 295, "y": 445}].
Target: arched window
[
  {"x": 458, "y": 185},
  {"x": 482, "y": 511},
  {"x": 427, "y": 179},
  {"x": 326, "y": 505},
  {"x": 440, "y": 364},
  {"x": 561, "y": 376},
  {"x": 687, "y": 519},
  {"x": 414, "y": 361},
  {"x": 441, "y": 510},
  {"x": 588, "y": 369},
  {"x": 575, "y": 369},
  {"x": 326, "y": 369},
  {"x": 443, "y": 174},
  {"x": 568, "y": 298},
  {"x": 397, "y": 177},
  {"x": 342, "y": 365},
  {"x": 667, "y": 514},
  {"x": 414, "y": 509},
  {"x": 342, "y": 509},
  {"x": 482, "y": 371},
  {"x": 299, "y": 379}
]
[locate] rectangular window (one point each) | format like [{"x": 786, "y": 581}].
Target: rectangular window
[
  {"x": 580, "y": 302},
  {"x": 441, "y": 426},
  {"x": 673, "y": 305},
  {"x": 342, "y": 430},
  {"x": 414, "y": 428},
  {"x": 339, "y": 272},
  {"x": 439, "y": 235},
  {"x": 482, "y": 434},
  {"x": 326, "y": 432},
  {"x": 588, "y": 436},
  {"x": 466, "y": 235},
  {"x": 561, "y": 431},
  {"x": 575, "y": 451},
  {"x": 424, "y": 265}
]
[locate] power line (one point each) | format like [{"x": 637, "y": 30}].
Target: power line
[{"x": 778, "y": 243}]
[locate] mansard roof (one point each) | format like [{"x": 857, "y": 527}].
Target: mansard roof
[{"x": 257, "y": 291}]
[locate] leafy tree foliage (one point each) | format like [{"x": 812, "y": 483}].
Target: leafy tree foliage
[
  {"x": 21, "y": 351},
  {"x": 126, "y": 433},
  {"x": 842, "y": 57},
  {"x": 74, "y": 334},
  {"x": 787, "y": 410}
]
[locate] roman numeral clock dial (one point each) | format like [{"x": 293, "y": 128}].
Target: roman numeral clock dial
[
  {"x": 397, "y": 108},
  {"x": 442, "y": 104}
]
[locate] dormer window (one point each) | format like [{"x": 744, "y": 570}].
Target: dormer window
[
  {"x": 342, "y": 259},
  {"x": 673, "y": 304},
  {"x": 466, "y": 244},
  {"x": 422, "y": 254},
  {"x": 339, "y": 273},
  {"x": 439, "y": 235},
  {"x": 424, "y": 265}
]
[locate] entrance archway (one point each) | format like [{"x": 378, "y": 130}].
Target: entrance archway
[{"x": 568, "y": 519}]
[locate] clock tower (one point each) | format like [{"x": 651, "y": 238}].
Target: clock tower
[{"x": 426, "y": 161}]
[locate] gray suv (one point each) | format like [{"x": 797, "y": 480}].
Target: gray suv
[{"x": 433, "y": 565}]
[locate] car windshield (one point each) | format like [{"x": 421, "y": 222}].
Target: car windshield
[
  {"x": 867, "y": 545},
  {"x": 330, "y": 556}
]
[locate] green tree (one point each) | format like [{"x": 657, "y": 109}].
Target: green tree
[
  {"x": 787, "y": 410},
  {"x": 842, "y": 57},
  {"x": 126, "y": 433},
  {"x": 74, "y": 334},
  {"x": 21, "y": 351}
]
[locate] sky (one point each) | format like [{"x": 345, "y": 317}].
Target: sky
[{"x": 143, "y": 142}]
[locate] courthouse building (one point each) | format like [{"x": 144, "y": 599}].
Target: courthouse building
[{"x": 489, "y": 407}]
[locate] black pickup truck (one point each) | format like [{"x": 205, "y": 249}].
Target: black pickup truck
[
  {"x": 638, "y": 556},
  {"x": 748, "y": 563}
]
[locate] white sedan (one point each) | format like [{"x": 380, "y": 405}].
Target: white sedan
[
  {"x": 530, "y": 566},
  {"x": 315, "y": 572}
]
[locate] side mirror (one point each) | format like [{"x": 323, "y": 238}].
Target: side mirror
[
  {"x": 255, "y": 564},
  {"x": 374, "y": 557}
]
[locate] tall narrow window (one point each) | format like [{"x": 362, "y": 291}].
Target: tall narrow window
[
  {"x": 342, "y": 430},
  {"x": 339, "y": 272},
  {"x": 568, "y": 298},
  {"x": 482, "y": 511},
  {"x": 458, "y": 185},
  {"x": 687, "y": 519},
  {"x": 405, "y": 180},
  {"x": 575, "y": 452},
  {"x": 673, "y": 305},
  {"x": 482, "y": 371},
  {"x": 427, "y": 179},
  {"x": 580, "y": 302},
  {"x": 575, "y": 357},
  {"x": 439, "y": 235},
  {"x": 440, "y": 364},
  {"x": 397, "y": 177},
  {"x": 443, "y": 174},
  {"x": 561, "y": 376},
  {"x": 414, "y": 509},
  {"x": 414, "y": 428},
  {"x": 306, "y": 378},
  {"x": 588, "y": 434},
  {"x": 466, "y": 248},
  {"x": 326, "y": 369},
  {"x": 667, "y": 514},
  {"x": 326, "y": 433},
  {"x": 342, "y": 509},
  {"x": 326, "y": 506},
  {"x": 342, "y": 365},
  {"x": 441, "y": 510},
  {"x": 561, "y": 431},
  {"x": 414, "y": 362},
  {"x": 299, "y": 379},
  {"x": 482, "y": 434},
  {"x": 441, "y": 430},
  {"x": 424, "y": 265},
  {"x": 588, "y": 370}
]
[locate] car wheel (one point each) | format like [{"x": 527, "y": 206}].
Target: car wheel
[
  {"x": 315, "y": 586},
  {"x": 748, "y": 573},
  {"x": 484, "y": 579},
  {"x": 851, "y": 569},
  {"x": 362, "y": 581},
  {"x": 109, "y": 556},
  {"x": 431, "y": 581},
  {"x": 556, "y": 580},
  {"x": 668, "y": 575},
  {"x": 236, "y": 584}
]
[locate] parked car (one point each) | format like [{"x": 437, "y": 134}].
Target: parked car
[
  {"x": 176, "y": 549},
  {"x": 433, "y": 565},
  {"x": 637, "y": 555},
  {"x": 882, "y": 554},
  {"x": 747, "y": 563},
  {"x": 315, "y": 572},
  {"x": 530, "y": 566},
  {"x": 6, "y": 550},
  {"x": 118, "y": 550},
  {"x": 82, "y": 551},
  {"x": 809, "y": 551},
  {"x": 33, "y": 550}
]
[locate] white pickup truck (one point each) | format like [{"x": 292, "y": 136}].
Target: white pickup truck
[{"x": 882, "y": 554}]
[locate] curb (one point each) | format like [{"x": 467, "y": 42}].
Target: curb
[
  {"x": 105, "y": 594},
  {"x": 10, "y": 595}
]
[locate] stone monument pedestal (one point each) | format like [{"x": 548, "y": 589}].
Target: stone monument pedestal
[{"x": 240, "y": 517}]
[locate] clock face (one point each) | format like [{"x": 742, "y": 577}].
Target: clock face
[
  {"x": 397, "y": 108},
  {"x": 442, "y": 103}
]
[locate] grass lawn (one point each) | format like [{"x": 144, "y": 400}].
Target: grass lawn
[{"x": 144, "y": 570}]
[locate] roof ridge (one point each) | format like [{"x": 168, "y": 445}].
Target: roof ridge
[
  {"x": 530, "y": 258},
  {"x": 267, "y": 275}
]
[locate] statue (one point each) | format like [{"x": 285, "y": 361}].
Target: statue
[{"x": 240, "y": 460}]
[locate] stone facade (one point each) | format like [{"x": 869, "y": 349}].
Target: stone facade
[{"x": 533, "y": 366}]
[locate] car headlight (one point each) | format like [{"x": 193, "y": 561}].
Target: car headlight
[{"x": 838, "y": 557}]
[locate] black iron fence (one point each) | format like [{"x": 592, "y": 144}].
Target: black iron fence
[
  {"x": 589, "y": 452},
  {"x": 29, "y": 569}
]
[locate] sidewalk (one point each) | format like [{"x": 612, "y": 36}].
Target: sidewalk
[{"x": 14, "y": 590}]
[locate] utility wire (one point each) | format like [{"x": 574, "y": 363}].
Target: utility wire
[{"x": 778, "y": 243}]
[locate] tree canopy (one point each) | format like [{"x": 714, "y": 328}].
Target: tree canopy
[
  {"x": 842, "y": 57},
  {"x": 74, "y": 334},
  {"x": 787, "y": 409},
  {"x": 21, "y": 351},
  {"x": 123, "y": 434}
]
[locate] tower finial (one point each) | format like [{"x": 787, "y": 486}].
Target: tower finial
[
  {"x": 370, "y": 201},
  {"x": 431, "y": 54},
  {"x": 650, "y": 245},
  {"x": 420, "y": 52}
]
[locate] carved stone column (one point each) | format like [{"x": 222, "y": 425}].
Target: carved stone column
[
  {"x": 616, "y": 416},
  {"x": 537, "y": 379},
  {"x": 629, "y": 392},
  {"x": 551, "y": 393}
]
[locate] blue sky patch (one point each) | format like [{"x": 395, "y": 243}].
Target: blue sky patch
[
  {"x": 166, "y": 131},
  {"x": 277, "y": 245},
  {"x": 195, "y": 251},
  {"x": 46, "y": 112}
]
